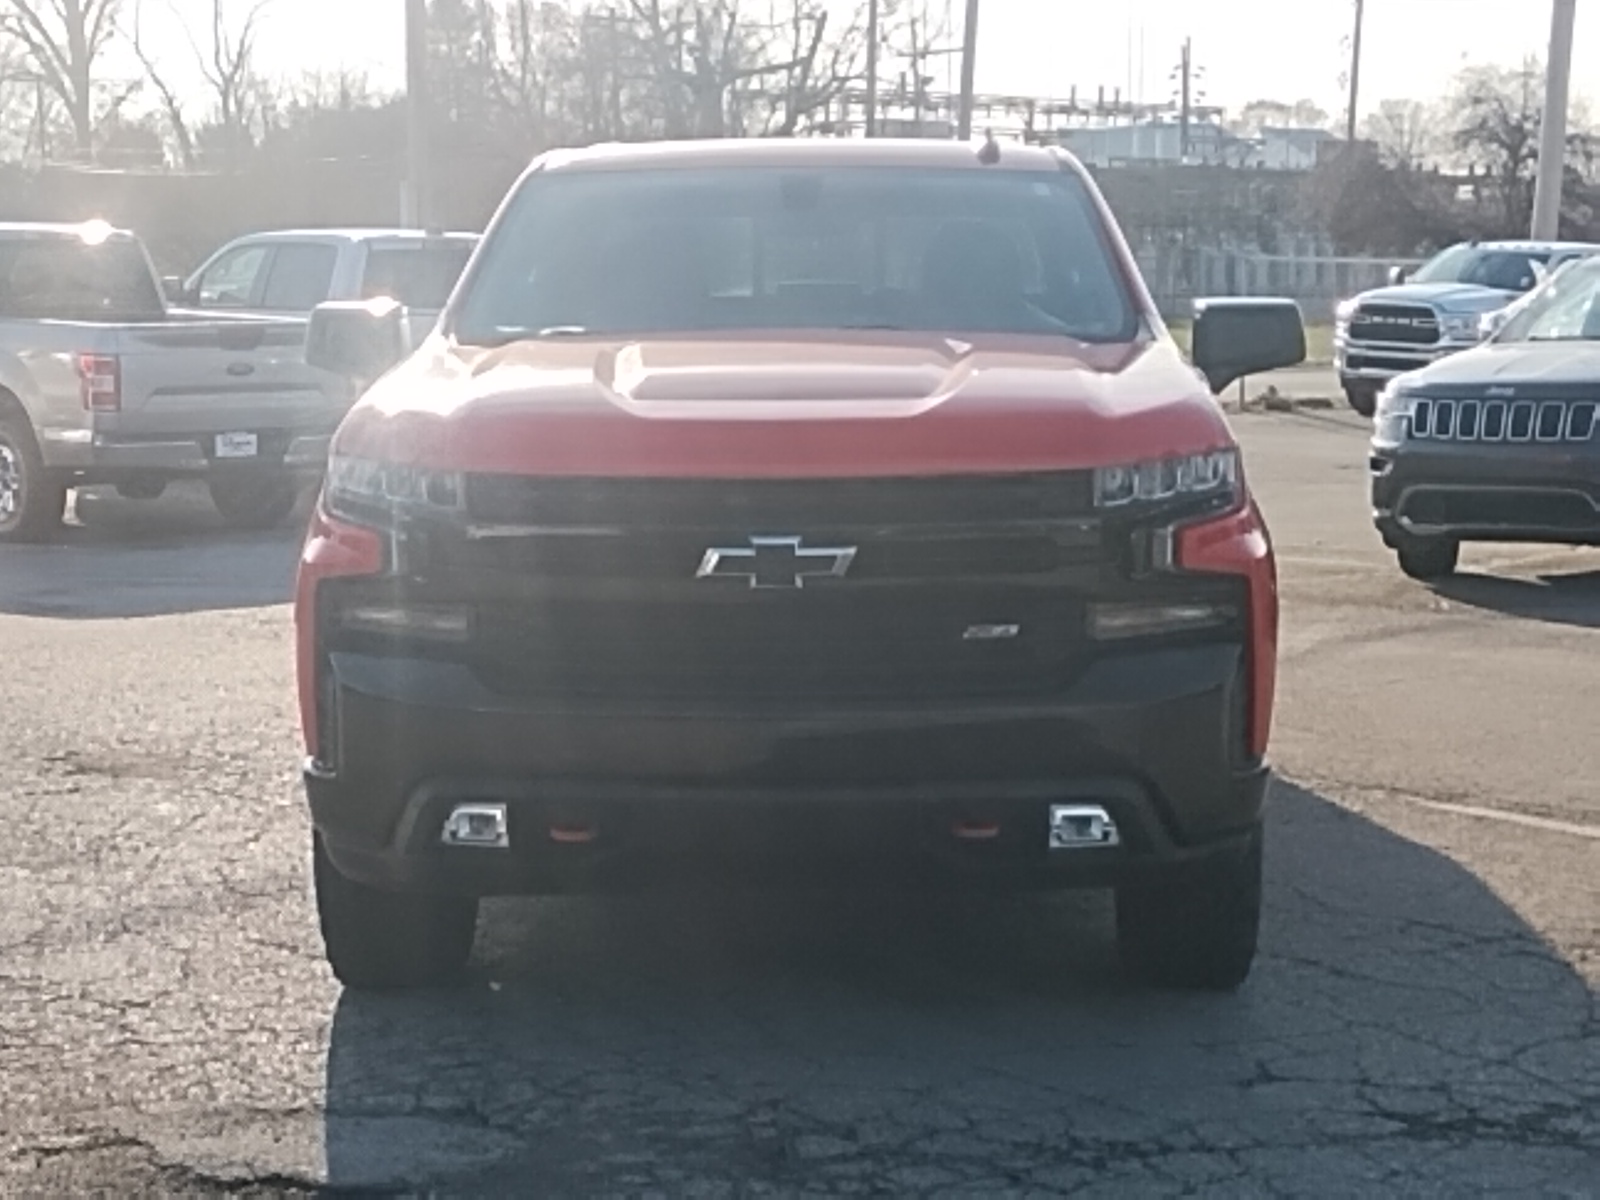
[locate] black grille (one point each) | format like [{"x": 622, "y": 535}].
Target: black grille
[
  {"x": 1436, "y": 419},
  {"x": 781, "y": 646},
  {"x": 1412, "y": 324},
  {"x": 776, "y": 505},
  {"x": 959, "y": 587}
]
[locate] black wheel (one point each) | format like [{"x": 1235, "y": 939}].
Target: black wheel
[
  {"x": 250, "y": 500},
  {"x": 1428, "y": 558},
  {"x": 1363, "y": 399},
  {"x": 381, "y": 940},
  {"x": 1197, "y": 931},
  {"x": 33, "y": 500}
]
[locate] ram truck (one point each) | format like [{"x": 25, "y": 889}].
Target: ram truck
[
  {"x": 1442, "y": 309},
  {"x": 791, "y": 510},
  {"x": 288, "y": 272},
  {"x": 100, "y": 383}
]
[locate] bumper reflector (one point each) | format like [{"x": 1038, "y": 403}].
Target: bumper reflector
[
  {"x": 1108, "y": 622},
  {"x": 1081, "y": 826},
  {"x": 441, "y": 624},
  {"x": 481, "y": 825}
]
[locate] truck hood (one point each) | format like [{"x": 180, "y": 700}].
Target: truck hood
[
  {"x": 744, "y": 406},
  {"x": 1448, "y": 297},
  {"x": 1508, "y": 364}
]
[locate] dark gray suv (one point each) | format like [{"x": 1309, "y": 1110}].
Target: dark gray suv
[{"x": 1498, "y": 444}]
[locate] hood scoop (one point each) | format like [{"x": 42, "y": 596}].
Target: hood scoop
[{"x": 664, "y": 375}]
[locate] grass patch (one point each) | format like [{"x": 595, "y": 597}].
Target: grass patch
[{"x": 1319, "y": 340}]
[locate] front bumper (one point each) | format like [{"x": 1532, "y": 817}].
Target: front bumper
[
  {"x": 1379, "y": 362},
  {"x": 1155, "y": 738},
  {"x": 1495, "y": 492},
  {"x": 100, "y": 457}
]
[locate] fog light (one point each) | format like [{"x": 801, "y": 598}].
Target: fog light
[
  {"x": 482, "y": 825},
  {"x": 401, "y": 620},
  {"x": 1108, "y": 622},
  {"x": 1080, "y": 826}
]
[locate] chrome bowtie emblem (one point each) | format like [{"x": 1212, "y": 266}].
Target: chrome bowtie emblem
[{"x": 776, "y": 562}]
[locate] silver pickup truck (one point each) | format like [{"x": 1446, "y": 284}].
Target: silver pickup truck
[
  {"x": 1437, "y": 312},
  {"x": 101, "y": 384},
  {"x": 288, "y": 272}
]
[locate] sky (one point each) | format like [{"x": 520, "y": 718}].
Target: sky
[{"x": 1249, "y": 49}]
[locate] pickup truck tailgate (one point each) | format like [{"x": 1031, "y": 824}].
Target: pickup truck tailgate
[{"x": 203, "y": 378}]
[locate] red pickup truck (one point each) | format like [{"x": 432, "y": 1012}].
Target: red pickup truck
[{"x": 792, "y": 510}]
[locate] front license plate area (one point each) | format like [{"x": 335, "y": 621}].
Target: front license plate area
[{"x": 237, "y": 445}]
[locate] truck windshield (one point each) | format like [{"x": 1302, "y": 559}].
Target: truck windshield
[
  {"x": 1565, "y": 310},
  {"x": 1504, "y": 270},
  {"x": 65, "y": 278},
  {"x": 417, "y": 274},
  {"x": 712, "y": 250}
]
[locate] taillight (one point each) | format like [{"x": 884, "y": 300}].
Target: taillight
[{"x": 100, "y": 382}]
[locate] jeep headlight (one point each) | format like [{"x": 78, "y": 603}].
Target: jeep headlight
[
  {"x": 1215, "y": 473},
  {"x": 368, "y": 491},
  {"x": 1460, "y": 327},
  {"x": 1391, "y": 423}
]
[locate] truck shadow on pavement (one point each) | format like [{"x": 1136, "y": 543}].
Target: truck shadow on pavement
[
  {"x": 125, "y": 558},
  {"x": 1559, "y": 599},
  {"x": 1401, "y": 1019}
]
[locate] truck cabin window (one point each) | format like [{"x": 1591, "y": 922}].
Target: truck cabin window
[
  {"x": 68, "y": 279},
  {"x": 705, "y": 250}
]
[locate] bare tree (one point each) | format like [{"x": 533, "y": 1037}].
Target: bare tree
[
  {"x": 1495, "y": 116},
  {"x": 818, "y": 68},
  {"x": 171, "y": 103},
  {"x": 227, "y": 60},
  {"x": 1405, "y": 132},
  {"x": 64, "y": 40}
]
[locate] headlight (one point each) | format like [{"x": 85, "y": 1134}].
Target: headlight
[
  {"x": 1214, "y": 473},
  {"x": 364, "y": 489},
  {"x": 1460, "y": 327},
  {"x": 1391, "y": 423},
  {"x": 1345, "y": 310}
]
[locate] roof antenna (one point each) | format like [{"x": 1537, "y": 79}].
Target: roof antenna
[{"x": 990, "y": 153}]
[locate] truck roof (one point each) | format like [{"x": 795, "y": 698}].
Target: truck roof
[
  {"x": 1527, "y": 246},
  {"x": 803, "y": 152},
  {"x": 89, "y": 231},
  {"x": 354, "y": 234}
]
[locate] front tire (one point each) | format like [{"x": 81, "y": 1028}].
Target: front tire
[
  {"x": 1362, "y": 398},
  {"x": 253, "y": 501},
  {"x": 1199, "y": 930},
  {"x": 377, "y": 940},
  {"x": 33, "y": 499},
  {"x": 1428, "y": 559}
]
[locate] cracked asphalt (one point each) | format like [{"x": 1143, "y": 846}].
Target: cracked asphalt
[{"x": 1423, "y": 1020}]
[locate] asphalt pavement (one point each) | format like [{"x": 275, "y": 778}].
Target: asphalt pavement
[{"x": 1424, "y": 1019}]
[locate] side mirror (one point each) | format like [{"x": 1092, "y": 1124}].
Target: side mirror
[
  {"x": 1490, "y": 323},
  {"x": 1233, "y": 338},
  {"x": 1397, "y": 276},
  {"x": 176, "y": 291},
  {"x": 358, "y": 339}
]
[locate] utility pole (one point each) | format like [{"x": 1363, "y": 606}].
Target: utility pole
[
  {"x": 416, "y": 207},
  {"x": 1355, "y": 73},
  {"x": 969, "y": 63},
  {"x": 1186, "y": 70},
  {"x": 1553, "y": 129},
  {"x": 872, "y": 68}
]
